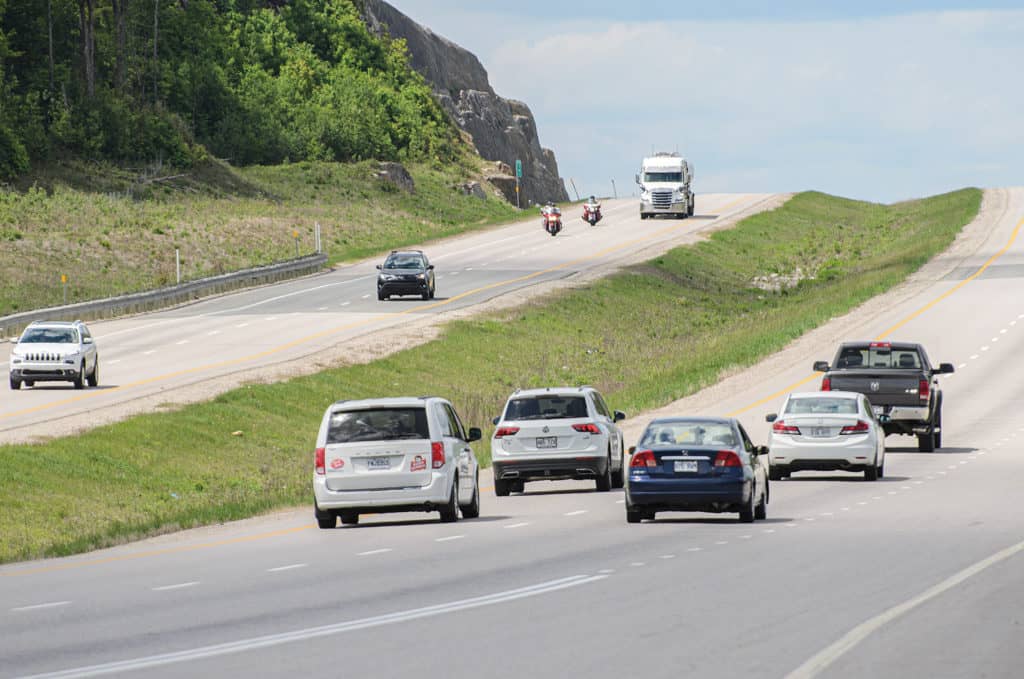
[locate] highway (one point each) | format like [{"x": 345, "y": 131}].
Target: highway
[
  {"x": 918, "y": 574},
  {"x": 197, "y": 350}
]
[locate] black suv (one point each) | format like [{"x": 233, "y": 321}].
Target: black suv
[{"x": 405, "y": 272}]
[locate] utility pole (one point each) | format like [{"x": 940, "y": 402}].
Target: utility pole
[{"x": 615, "y": 191}]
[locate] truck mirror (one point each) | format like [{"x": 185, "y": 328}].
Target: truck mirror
[
  {"x": 771, "y": 418},
  {"x": 636, "y": 178},
  {"x": 946, "y": 368},
  {"x": 821, "y": 366}
]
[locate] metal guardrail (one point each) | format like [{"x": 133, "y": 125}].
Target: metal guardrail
[{"x": 138, "y": 302}]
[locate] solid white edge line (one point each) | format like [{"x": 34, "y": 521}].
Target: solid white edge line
[
  {"x": 848, "y": 641},
  {"x": 36, "y": 607},
  {"x": 304, "y": 635}
]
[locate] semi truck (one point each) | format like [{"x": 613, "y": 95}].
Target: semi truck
[{"x": 664, "y": 182}]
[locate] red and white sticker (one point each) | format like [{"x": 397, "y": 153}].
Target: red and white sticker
[
  {"x": 337, "y": 463},
  {"x": 419, "y": 463}
]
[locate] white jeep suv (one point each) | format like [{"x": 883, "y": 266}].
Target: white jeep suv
[
  {"x": 55, "y": 351},
  {"x": 557, "y": 433},
  {"x": 394, "y": 455}
]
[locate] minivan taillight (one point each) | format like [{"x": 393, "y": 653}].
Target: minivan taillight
[
  {"x": 321, "y": 468},
  {"x": 643, "y": 458},
  {"x": 780, "y": 427},
  {"x": 506, "y": 431},
  {"x": 588, "y": 428},
  {"x": 923, "y": 390},
  {"x": 860, "y": 428},
  {"x": 727, "y": 458},
  {"x": 826, "y": 384},
  {"x": 436, "y": 454}
]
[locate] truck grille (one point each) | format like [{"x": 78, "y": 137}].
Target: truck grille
[
  {"x": 43, "y": 356},
  {"x": 661, "y": 199}
]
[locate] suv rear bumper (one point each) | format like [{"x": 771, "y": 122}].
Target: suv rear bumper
[
  {"x": 579, "y": 467},
  {"x": 426, "y": 498}
]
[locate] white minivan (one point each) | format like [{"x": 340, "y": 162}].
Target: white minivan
[{"x": 402, "y": 454}]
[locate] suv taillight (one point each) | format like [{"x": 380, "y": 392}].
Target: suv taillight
[
  {"x": 780, "y": 427},
  {"x": 923, "y": 389},
  {"x": 506, "y": 431},
  {"x": 321, "y": 468},
  {"x": 588, "y": 428},
  {"x": 728, "y": 458},
  {"x": 860, "y": 428},
  {"x": 643, "y": 458},
  {"x": 826, "y": 384},
  {"x": 436, "y": 454}
]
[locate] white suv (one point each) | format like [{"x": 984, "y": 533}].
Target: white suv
[
  {"x": 55, "y": 351},
  {"x": 394, "y": 455},
  {"x": 557, "y": 433}
]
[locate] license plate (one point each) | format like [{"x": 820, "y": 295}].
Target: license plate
[
  {"x": 686, "y": 465},
  {"x": 821, "y": 432},
  {"x": 878, "y": 409},
  {"x": 378, "y": 463},
  {"x": 547, "y": 441}
]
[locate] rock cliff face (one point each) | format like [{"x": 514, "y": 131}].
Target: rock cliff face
[{"x": 503, "y": 130}]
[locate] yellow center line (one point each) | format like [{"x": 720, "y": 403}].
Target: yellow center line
[
  {"x": 355, "y": 324},
  {"x": 897, "y": 326}
]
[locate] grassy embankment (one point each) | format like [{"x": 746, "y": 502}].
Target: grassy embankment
[
  {"x": 645, "y": 337},
  {"x": 114, "y": 232}
]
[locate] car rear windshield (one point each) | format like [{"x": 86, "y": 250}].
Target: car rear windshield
[
  {"x": 379, "y": 424},
  {"x": 546, "y": 407},
  {"x": 50, "y": 336},
  {"x": 878, "y": 357},
  {"x": 688, "y": 434},
  {"x": 820, "y": 405}
]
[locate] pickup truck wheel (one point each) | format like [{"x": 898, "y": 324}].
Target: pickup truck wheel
[
  {"x": 938, "y": 426},
  {"x": 926, "y": 442}
]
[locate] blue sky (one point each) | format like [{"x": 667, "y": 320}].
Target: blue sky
[{"x": 875, "y": 100}]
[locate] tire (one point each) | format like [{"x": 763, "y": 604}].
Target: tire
[
  {"x": 324, "y": 519},
  {"x": 761, "y": 509},
  {"x": 472, "y": 510},
  {"x": 619, "y": 477},
  {"x": 774, "y": 473},
  {"x": 643, "y": 216},
  {"x": 881, "y": 470},
  {"x": 604, "y": 481},
  {"x": 349, "y": 517},
  {"x": 938, "y": 425},
  {"x": 450, "y": 511},
  {"x": 425, "y": 295},
  {"x": 634, "y": 515},
  {"x": 747, "y": 510},
  {"x": 381, "y": 296},
  {"x": 433, "y": 291},
  {"x": 79, "y": 380},
  {"x": 926, "y": 442},
  {"x": 15, "y": 384},
  {"x": 518, "y": 486},
  {"x": 94, "y": 377},
  {"x": 502, "y": 488},
  {"x": 871, "y": 473}
]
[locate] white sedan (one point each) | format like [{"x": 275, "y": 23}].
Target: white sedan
[{"x": 826, "y": 431}]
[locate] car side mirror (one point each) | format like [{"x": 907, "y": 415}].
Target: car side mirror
[
  {"x": 474, "y": 434},
  {"x": 636, "y": 178},
  {"x": 632, "y": 449},
  {"x": 379, "y": 267},
  {"x": 495, "y": 421},
  {"x": 821, "y": 366},
  {"x": 86, "y": 340},
  {"x": 946, "y": 368},
  {"x": 430, "y": 267},
  {"x": 761, "y": 450},
  {"x": 771, "y": 417},
  {"x": 619, "y": 415},
  {"x": 884, "y": 419}
]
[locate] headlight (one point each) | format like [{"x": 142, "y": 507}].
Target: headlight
[
  {"x": 421, "y": 276},
  {"x": 388, "y": 277}
]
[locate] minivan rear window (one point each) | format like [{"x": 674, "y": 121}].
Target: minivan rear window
[
  {"x": 546, "y": 407},
  {"x": 378, "y": 424}
]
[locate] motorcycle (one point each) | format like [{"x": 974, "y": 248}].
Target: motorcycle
[
  {"x": 551, "y": 220},
  {"x": 592, "y": 213}
]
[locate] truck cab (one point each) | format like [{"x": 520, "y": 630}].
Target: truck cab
[{"x": 664, "y": 182}]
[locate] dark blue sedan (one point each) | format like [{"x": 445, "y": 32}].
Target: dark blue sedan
[{"x": 697, "y": 464}]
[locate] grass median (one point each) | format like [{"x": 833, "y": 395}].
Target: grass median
[{"x": 646, "y": 336}]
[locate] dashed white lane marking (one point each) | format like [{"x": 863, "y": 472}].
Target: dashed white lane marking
[
  {"x": 180, "y": 585},
  {"x": 918, "y": 483},
  {"x": 964, "y": 461},
  {"x": 1013, "y": 322},
  {"x": 892, "y": 492},
  {"x": 36, "y": 607},
  {"x": 181, "y": 342},
  {"x": 906, "y": 488},
  {"x": 147, "y": 353},
  {"x": 606, "y": 571},
  {"x": 116, "y": 360},
  {"x": 826, "y": 514},
  {"x": 518, "y": 525},
  {"x": 576, "y": 513},
  {"x": 984, "y": 348},
  {"x": 454, "y": 273},
  {"x": 982, "y": 452},
  {"x": 242, "y": 325},
  {"x": 876, "y": 497},
  {"x": 289, "y": 567},
  {"x": 637, "y": 564},
  {"x": 366, "y": 297},
  {"x": 375, "y": 551},
  {"x": 668, "y": 556},
  {"x": 1003, "y": 331},
  {"x": 322, "y": 308},
  {"x": 212, "y": 333},
  {"x": 809, "y": 518},
  {"x": 942, "y": 473},
  {"x": 961, "y": 366},
  {"x": 768, "y": 530},
  {"x": 469, "y": 268},
  {"x": 844, "y": 509},
  {"x": 952, "y": 466},
  {"x": 695, "y": 549},
  {"x": 722, "y": 542},
  {"x": 268, "y": 319},
  {"x": 345, "y": 303},
  {"x": 862, "y": 503},
  {"x": 995, "y": 339},
  {"x": 746, "y": 537},
  {"x": 450, "y": 537}
]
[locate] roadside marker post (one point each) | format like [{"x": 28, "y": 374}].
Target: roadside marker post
[
  {"x": 64, "y": 285},
  {"x": 295, "y": 235},
  {"x": 519, "y": 175}
]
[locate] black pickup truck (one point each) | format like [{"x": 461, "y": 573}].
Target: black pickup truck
[{"x": 899, "y": 382}]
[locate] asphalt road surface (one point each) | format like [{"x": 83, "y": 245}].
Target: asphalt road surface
[
  {"x": 159, "y": 353},
  {"x": 918, "y": 574}
]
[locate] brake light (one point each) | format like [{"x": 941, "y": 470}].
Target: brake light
[
  {"x": 923, "y": 389},
  {"x": 728, "y": 458},
  {"x": 506, "y": 431},
  {"x": 780, "y": 427},
  {"x": 826, "y": 384},
  {"x": 643, "y": 459},
  {"x": 881, "y": 345},
  {"x": 321, "y": 453},
  {"x": 860, "y": 428},
  {"x": 436, "y": 454},
  {"x": 588, "y": 428}
]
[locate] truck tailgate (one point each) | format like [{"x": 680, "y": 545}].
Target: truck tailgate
[{"x": 882, "y": 387}]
